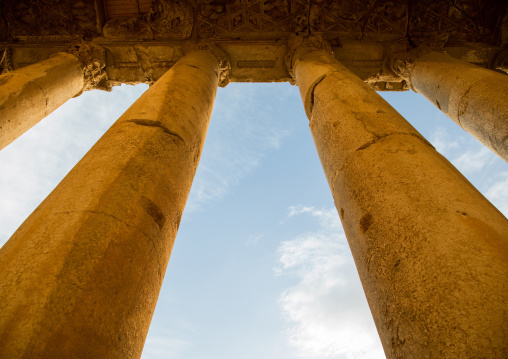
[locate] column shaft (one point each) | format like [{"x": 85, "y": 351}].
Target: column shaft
[
  {"x": 31, "y": 93},
  {"x": 431, "y": 251},
  {"x": 80, "y": 278},
  {"x": 473, "y": 97}
]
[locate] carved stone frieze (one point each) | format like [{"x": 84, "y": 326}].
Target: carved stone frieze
[
  {"x": 439, "y": 22},
  {"x": 244, "y": 18},
  {"x": 92, "y": 58},
  {"x": 53, "y": 19},
  {"x": 127, "y": 28},
  {"x": 171, "y": 19},
  {"x": 167, "y": 20},
  {"x": 358, "y": 18},
  {"x": 143, "y": 38}
]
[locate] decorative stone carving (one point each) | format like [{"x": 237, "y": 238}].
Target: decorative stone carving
[
  {"x": 355, "y": 18},
  {"x": 224, "y": 63},
  {"x": 42, "y": 18},
  {"x": 167, "y": 20},
  {"x": 171, "y": 19},
  {"x": 438, "y": 22},
  {"x": 402, "y": 63},
  {"x": 92, "y": 57},
  {"x": 244, "y": 17},
  {"x": 127, "y": 28}
]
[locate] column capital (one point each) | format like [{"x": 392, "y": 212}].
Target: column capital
[
  {"x": 219, "y": 54},
  {"x": 298, "y": 46},
  {"x": 402, "y": 62},
  {"x": 93, "y": 60}
]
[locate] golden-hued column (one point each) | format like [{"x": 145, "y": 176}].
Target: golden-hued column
[
  {"x": 431, "y": 251},
  {"x": 29, "y": 94},
  {"x": 474, "y": 97},
  {"x": 81, "y": 276}
]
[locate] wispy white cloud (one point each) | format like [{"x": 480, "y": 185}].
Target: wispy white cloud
[
  {"x": 498, "y": 192},
  {"x": 162, "y": 347},
  {"x": 473, "y": 160},
  {"x": 326, "y": 310},
  {"x": 236, "y": 145},
  {"x": 254, "y": 239},
  {"x": 35, "y": 163},
  {"x": 442, "y": 141},
  {"x": 484, "y": 169}
]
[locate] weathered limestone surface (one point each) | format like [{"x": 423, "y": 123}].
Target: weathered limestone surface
[
  {"x": 431, "y": 251},
  {"x": 473, "y": 97},
  {"x": 31, "y": 93},
  {"x": 80, "y": 278}
]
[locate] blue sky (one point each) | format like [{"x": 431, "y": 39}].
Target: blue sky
[{"x": 261, "y": 266}]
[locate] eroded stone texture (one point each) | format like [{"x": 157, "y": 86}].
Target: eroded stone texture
[
  {"x": 473, "y": 97},
  {"x": 431, "y": 251},
  {"x": 81, "y": 276},
  {"x": 31, "y": 93}
]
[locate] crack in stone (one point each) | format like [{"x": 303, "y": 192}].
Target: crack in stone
[
  {"x": 128, "y": 225},
  {"x": 158, "y": 124},
  {"x": 379, "y": 137},
  {"x": 312, "y": 92}
]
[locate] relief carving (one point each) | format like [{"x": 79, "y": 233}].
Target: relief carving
[
  {"x": 92, "y": 58},
  {"x": 29, "y": 18},
  {"x": 356, "y": 18},
  {"x": 171, "y": 19},
  {"x": 239, "y": 17},
  {"x": 437, "y": 22},
  {"x": 167, "y": 20}
]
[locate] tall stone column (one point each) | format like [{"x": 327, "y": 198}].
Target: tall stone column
[
  {"x": 81, "y": 276},
  {"x": 431, "y": 251},
  {"x": 474, "y": 97},
  {"x": 29, "y": 94}
]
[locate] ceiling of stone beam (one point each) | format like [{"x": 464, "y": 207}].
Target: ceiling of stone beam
[
  {"x": 50, "y": 20},
  {"x": 417, "y": 21}
]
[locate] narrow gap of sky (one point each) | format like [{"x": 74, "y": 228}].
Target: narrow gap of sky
[{"x": 261, "y": 266}]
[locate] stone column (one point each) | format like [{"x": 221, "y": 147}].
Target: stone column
[
  {"x": 81, "y": 276},
  {"x": 31, "y": 93},
  {"x": 431, "y": 251},
  {"x": 474, "y": 97}
]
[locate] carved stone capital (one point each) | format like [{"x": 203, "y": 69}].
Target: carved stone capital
[
  {"x": 93, "y": 60},
  {"x": 220, "y": 55},
  {"x": 298, "y": 46},
  {"x": 402, "y": 63}
]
